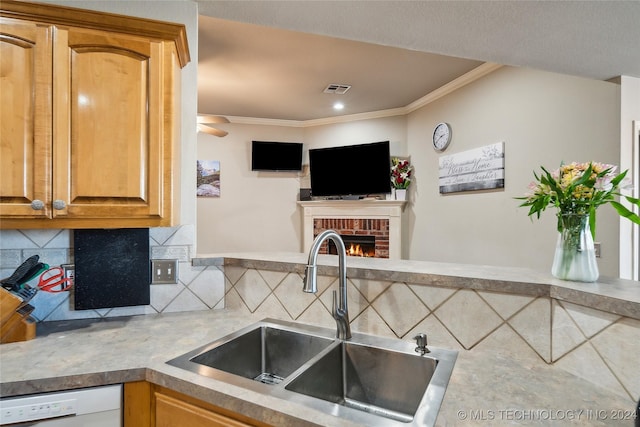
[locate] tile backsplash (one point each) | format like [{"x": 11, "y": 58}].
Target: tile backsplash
[
  {"x": 540, "y": 332},
  {"x": 198, "y": 288}
]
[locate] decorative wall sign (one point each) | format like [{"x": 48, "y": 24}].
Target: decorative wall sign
[
  {"x": 208, "y": 178},
  {"x": 478, "y": 169}
]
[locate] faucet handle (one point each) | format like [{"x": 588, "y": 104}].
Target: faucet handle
[
  {"x": 334, "y": 305},
  {"x": 336, "y": 311},
  {"x": 421, "y": 342}
]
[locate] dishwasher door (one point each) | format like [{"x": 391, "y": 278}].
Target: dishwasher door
[
  {"x": 100, "y": 419},
  {"x": 89, "y": 407}
]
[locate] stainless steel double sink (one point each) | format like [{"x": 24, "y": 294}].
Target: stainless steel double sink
[{"x": 370, "y": 380}]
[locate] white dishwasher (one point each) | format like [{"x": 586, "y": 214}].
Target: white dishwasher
[{"x": 87, "y": 407}]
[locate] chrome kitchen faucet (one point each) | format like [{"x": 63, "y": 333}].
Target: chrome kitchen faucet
[{"x": 339, "y": 310}]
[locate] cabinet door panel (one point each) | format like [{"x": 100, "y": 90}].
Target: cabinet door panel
[
  {"x": 108, "y": 87},
  {"x": 107, "y": 152},
  {"x": 25, "y": 114},
  {"x": 172, "y": 412}
]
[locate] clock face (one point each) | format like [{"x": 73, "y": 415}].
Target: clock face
[{"x": 441, "y": 136}]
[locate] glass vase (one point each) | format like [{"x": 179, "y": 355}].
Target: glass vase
[{"x": 575, "y": 257}]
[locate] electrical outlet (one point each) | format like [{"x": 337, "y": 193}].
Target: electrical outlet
[
  {"x": 69, "y": 271},
  {"x": 596, "y": 247},
  {"x": 164, "y": 271}
]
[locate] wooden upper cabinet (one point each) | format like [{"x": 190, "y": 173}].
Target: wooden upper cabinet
[
  {"x": 107, "y": 125},
  {"x": 25, "y": 118},
  {"x": 93, "y": 136}
]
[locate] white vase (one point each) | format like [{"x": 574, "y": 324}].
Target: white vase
[{"x": 401, "y": 194}]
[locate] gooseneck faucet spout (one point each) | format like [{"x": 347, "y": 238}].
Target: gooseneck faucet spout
[{"x": 339, "y": 308}]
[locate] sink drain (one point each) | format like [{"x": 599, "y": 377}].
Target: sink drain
[{"x": 268, "y": 378}]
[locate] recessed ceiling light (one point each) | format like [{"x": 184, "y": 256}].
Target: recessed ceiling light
[{"x": 338, "y": 106}]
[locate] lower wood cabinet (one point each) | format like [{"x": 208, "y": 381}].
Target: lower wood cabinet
[{"x": 146, "y": 404}]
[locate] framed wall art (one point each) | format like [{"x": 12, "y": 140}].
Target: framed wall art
[
  {"x": 208, "y": 178},
  {"x": 478, "y": 169}
]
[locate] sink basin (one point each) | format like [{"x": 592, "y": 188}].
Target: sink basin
[
  {"x": 265, "y": 353},
  {"x": 386, "y": 383},
  {"x": 372, "y": 381}
]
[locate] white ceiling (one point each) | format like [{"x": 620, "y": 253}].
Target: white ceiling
[{"x": 272, "y": 59}]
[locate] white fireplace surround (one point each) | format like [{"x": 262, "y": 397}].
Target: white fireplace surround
[{"x": 355, "y": 209}]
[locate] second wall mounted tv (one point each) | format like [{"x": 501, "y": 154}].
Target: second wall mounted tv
[
  {"x": 276, "y": 156},
  {"x": 351, "y": 170}
]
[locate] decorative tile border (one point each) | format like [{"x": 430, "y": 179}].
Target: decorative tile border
[{"x": 597, "y": 346}]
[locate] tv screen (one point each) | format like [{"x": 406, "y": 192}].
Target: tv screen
[
  {"x": 352, "y": 170},
  {"x": 276, "y": 156}
]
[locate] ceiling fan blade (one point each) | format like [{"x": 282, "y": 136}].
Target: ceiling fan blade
[
  {"x": 212, "y": 131},
  {"x": 208, "y": 118}
]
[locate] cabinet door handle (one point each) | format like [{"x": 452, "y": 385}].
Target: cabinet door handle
[
  {"x": 59, "y": 204},
  {"x": 37, "y": 205}
]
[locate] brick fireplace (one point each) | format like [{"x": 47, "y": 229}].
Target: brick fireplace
[
  {"x": 377, "y": 219},
  {"x": 362, "y": 237}
]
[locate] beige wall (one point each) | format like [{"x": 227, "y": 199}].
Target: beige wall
[
  {"x": 543, "y": 118},
  {"x": 256, "y": 211},
  {"x": 392, "y": 129}
]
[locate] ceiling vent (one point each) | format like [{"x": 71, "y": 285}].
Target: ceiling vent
[{"x": 337, "y": 89}]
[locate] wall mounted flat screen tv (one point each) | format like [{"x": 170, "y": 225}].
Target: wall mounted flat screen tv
[
  {"x": 352, "y": 170},
  {"x": 276, "y": 156}
]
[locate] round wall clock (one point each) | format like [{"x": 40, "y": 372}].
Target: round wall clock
[{"x": 441, "y": 136}]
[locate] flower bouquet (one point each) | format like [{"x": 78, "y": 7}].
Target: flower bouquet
[
  {"x": 400, "y": 173},
  {"x": 577, "y": 190}
]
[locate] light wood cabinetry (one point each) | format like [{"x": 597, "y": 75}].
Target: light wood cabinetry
[
  {"x": 89, "y": 118},
  {"x": 149, "y": 405}
]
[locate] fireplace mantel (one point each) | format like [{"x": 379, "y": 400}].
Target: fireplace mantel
[{"x": 355, "y": 209}]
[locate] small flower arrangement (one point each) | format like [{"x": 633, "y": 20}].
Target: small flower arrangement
[
  {"x": 578, "y": 188},
  {"x": 400, "y": 173}
]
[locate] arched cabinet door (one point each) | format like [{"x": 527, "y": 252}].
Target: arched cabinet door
[
  {"x": 90, "y": 111},
  {"x": 107, "y": 125},
  {"x": 25, "y": 119}
]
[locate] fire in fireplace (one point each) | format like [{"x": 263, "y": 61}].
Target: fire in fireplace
[{"x": 362, "y": 246}]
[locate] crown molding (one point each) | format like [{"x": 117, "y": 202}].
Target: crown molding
[
  {"x": 465, "y": 79},
  {"x": 265, "y": 121},
  {"x": 469, "y": 77},
  {"x": 356, "y": 117}
]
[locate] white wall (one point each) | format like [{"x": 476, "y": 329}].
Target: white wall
[{"x": 629, "y": 112}]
